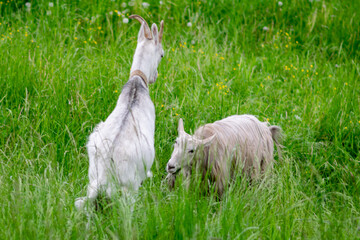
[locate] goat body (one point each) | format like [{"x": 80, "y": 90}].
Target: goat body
[
  {"x": 121, "y": 149},
  {"x": 236, "y": 144}
]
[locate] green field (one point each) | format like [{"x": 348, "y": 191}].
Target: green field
[{"x": 62, "y": 68}]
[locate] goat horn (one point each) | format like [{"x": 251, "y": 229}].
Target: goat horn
[
  {"x": 147, "y": 31},
  {"x": 161, "y": 30}
]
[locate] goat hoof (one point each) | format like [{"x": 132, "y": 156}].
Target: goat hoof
[
  {"x": 149, "y": 174},
  {"x": 80, "y": 202}
]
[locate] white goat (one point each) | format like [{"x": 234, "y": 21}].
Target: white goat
[
  {"x": 121, "y": 149},
  {"x": 239, "y": 143}
]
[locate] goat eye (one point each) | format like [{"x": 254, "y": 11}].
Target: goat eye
[{"x": 191, "y": 151}]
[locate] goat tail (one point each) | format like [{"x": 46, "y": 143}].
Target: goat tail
[{"x": 276, "y": 136}]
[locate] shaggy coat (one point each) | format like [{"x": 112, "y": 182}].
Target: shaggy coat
[{"x": 236, "y": 144}]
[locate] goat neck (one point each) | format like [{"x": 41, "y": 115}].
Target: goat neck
[
  {"x": 145, "y": 61},
  {"x": 140, "y": 74},
  {"x": 148, "y": 51}
]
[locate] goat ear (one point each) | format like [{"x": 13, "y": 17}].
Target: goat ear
[
  {"x": 154, "y": 31},
  {"x": 207, "y": 141},
  {"x": 181, "y": 126},
  {"x": 141, "y": 35},
  {"x": 161, "y": 30}
]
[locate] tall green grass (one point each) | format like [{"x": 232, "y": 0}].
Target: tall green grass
[{"x": 63, "y": 67}]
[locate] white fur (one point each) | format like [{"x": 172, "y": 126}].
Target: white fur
[{"x": 121, "y": 149}]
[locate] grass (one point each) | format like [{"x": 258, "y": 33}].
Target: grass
[{"x": 63, "y": 67}]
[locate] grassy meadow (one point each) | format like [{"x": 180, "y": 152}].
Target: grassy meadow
[{"x": 62, "y": 68}]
